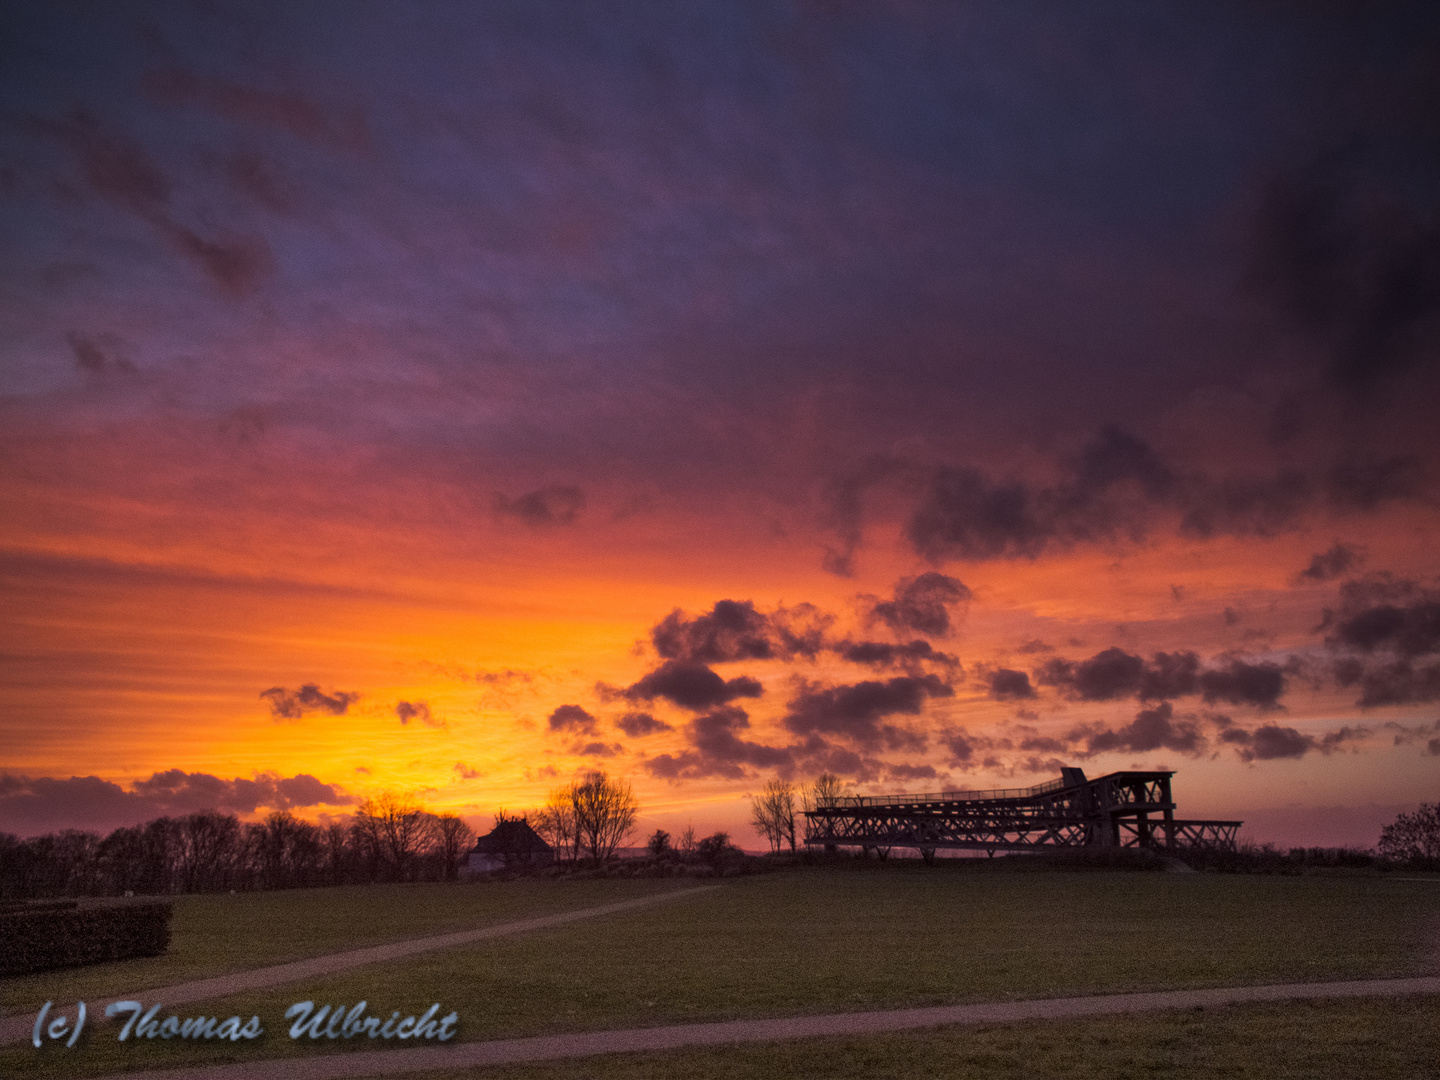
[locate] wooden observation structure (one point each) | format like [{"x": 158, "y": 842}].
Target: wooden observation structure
[{"x": 1120, "y": 810}]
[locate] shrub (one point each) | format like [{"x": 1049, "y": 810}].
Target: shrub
[
  {"x": 47, "y": 937},
  {"x": 717, "y": 849}
]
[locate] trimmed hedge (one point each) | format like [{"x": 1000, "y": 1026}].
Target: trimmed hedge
[
  {"x": 43, "y": 938},
  {"x": 9, "y": 906}
]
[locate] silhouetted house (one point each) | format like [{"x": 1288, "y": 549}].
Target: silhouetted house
[{"x": 512, "y": 843}]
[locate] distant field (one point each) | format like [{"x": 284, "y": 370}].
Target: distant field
[{"x": 815, "y": 941}]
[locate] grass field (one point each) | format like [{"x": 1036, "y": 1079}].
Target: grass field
[
  {"x": 1395, "y": 1039},
  {"x": 215, "y": 934},
  {"x": 816, "y": 941}
]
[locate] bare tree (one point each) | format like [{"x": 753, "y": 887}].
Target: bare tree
[
  {"x": 453, "y": 835},
  {"x": 399, "y": 828},
  {"x": 1413, "y": 836},
  {"x": 555, "y": 822},
  {"x": 688, "y": 842},
  {"x": 827, "y": 789},
  {"x": 773, "y": 814},
  {"x": 337, "y": 849},
  {"x": 605, "y": 813},
  {"x": 277, "y": 843},
  {"x": 210, "y": 845}
]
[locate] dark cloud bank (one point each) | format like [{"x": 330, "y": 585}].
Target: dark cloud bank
[
  {"x": 1385, "y": 641},
  {"x": 29, "y": 806},
  {"x": 1119, "y": 488}
]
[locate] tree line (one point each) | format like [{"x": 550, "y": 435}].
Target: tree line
[
  {"x": 390, "y": 837},
  {"x": 591, "y": 816}
]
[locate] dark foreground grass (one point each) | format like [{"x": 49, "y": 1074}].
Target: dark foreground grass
[
  {"x": 216, "y": 934},
  {"x": 1378, "y": 1039},
  {"x": 842, "y": 939}
]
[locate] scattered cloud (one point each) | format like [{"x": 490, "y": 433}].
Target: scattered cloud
[
  {"x": 639, "y": 724},
  {"x": 1396, "y": 682},
  {"x": 1334, "y": 563},
  {"x": 1115, "y": 674},
  {"x": 1268, "y": 743},
  {"x": 1385, "y": 637},
  {"x": 691, "y": 686},
  {"x": 117, "y": 168},
  {"x": 964, "y": 747},
  {"x": 417, "y": 710},
  {"x": 309, "y": 699},
  {"x": 1406, "y": 734},
  {"x": 719, "y": 751},
  {"x": 905, "y": 773},
  {"x": 97, "y": 360},
  {"x": 1106, "y": 676},
  {"x": 731, "y": 630},
  {"x": 923, "y": 605},
  {"x": 1007, "y": 684},
  {"x": 734, "y": 630},
  {"x": 1363, "y": 483},
  {"x": 555, "y": 505},
  {"x": 504, "y": 677},
  {"x": 1239, "y": 682},
  {"x": 572, "y": 718},
  {"x": 1408, "y": 630},
  {"x": 909, "y": 656},
  {"x": 1152, "y": 729},
  {"x": 854, "y": 711}
]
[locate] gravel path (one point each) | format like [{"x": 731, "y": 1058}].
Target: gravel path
[
  {"x": 16, "y": 1028},
  {"x": 549, "y": 1047}
]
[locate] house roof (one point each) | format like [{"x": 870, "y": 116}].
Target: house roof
[{"x": 511, "y": 836}]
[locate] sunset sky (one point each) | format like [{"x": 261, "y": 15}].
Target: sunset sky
[{"x": 452, "y": 398}]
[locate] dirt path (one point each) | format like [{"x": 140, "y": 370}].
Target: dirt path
[
  {"x": 549, "y": 1047},
  {"x": 16, "y": 1028}
]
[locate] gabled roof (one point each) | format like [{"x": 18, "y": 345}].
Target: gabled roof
[{"x": 513, "y": 836}]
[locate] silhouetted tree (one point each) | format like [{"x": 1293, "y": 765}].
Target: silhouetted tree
[
  {"x": 397, "y": 827},
  {"x": 827, "y": 789},
  {"x": 338, "y": 852},
  {"x": 1413, "y": 836},
  {"x": 453, "y": 838},
  {"x": 555, "y": 822},
  {"x": 605, "y": 812},
  {"x": 773, "y": 814},
  {"x": 209, "y": 851}
]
